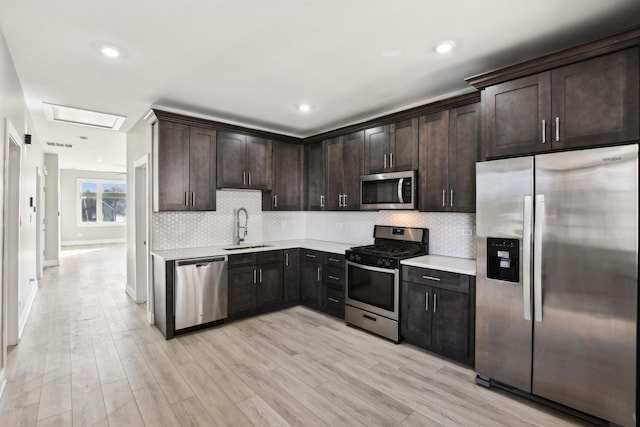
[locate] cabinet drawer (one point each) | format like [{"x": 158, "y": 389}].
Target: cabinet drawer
[
  {"x": 333, "y": 302},
  {"x": 311, "y": 255},
  {"x": 270, "y": 256},
  {"x": 336, "y": 260},
  {"x": 436, "y": 278},
  {"x": 242, "y": 259},
  {"x": 334, "y": 277}
]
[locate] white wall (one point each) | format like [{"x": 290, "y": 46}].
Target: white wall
[
  {"x": 71, "y": 232},
  {"x": 13, "y": 107}
]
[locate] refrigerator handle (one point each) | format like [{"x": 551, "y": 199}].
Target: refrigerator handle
[
  {"x": 526, "y": 256},
  {"x": 537, "y": 258}
]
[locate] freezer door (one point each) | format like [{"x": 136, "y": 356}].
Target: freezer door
[
  {"x": 584, "y": 352},
  {"x": 503, "y": 308}
]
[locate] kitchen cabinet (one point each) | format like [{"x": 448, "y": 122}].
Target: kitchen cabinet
[
  {"x": 291, "y": 275},
  {"x": 391, "y": 148},
  {"x": 588, "y": 103},
  {"x": 314, "y": 166},
  {"x": 287, "y": 188},
  {"x": 438, "y": 312},
  {"x": 184, "y": 167},
  {"x": 255, "y": 281},
  {"x": 344, "y": 165},
  {"x": 448, "y": 142},
  {"x": 311, "y": 278},
  {"x": 322, "y": 281},
  {"x": 244, "y": 161}
]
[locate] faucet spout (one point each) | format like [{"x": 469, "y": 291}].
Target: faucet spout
[{"x": 241, "y": 235}]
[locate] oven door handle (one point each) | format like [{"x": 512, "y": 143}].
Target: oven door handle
[
  {"x": 372, "y": 268},
  {"x": 400, "y": 182}
]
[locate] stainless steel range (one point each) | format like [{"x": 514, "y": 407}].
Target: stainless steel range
[{"x": 373, "y": 278}]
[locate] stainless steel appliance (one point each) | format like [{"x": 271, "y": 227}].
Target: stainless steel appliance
[
  {"x": 396, "y": 190},
  {"x": 201, "y": 290},
  {"x": 373, "y": 278},
  {"x": 557, "y": 278}
]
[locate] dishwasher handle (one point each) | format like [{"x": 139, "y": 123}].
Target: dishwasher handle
[{"x": 200, "y": 262}]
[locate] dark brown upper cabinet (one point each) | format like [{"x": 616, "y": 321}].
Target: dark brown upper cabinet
[
  {"x": 589, "y": 103},
  {"x": 287, "y": 189},
  {"x": 314, "y": 181},
  {"x": 244, "y": 161},
  {"x": 344, "y": 164},
  {"x": 391, "y": 148},
  {"x": 185, "y": 171},
  {"x": 447, "y": 158}
]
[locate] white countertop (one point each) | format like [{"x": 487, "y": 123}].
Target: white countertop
[
  {"x": 443, "y": 263},
  {"x": 209, "y": 251}
]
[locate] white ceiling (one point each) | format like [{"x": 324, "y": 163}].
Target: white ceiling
[{"x": 252, "y": 61}]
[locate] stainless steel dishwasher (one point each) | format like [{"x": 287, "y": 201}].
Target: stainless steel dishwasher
[{"x": 201, "y": 290}]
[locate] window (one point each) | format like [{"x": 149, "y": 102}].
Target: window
[{"x": 102, "y": 202}]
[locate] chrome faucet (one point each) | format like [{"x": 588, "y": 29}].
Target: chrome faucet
[{"x": 238, "y": 226}]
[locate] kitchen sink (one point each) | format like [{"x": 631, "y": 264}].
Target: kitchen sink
[{"x": 237, "y": 248}]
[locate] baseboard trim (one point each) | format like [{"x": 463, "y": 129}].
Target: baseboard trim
[
  {"x": 131, "y": 292},
  {"x": 92, "y": 242},
  {"x": 27, "y": 312},
  {"x": 51, "y": 263},
  {"x": 3, "y": 382}
]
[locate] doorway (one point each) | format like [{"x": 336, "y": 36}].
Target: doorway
[
  {"x": 142, "y": 243},
  {"x": 39, "y": 208}
]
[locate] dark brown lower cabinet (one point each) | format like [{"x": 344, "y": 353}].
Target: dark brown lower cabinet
[
  {"x": 291, "y": 275},
  {"x": 438, "y": 312},
  {"x": 311, "y": 278},
  {"x": 255, "y": 281},
  {"x": 322, "y": 282}
]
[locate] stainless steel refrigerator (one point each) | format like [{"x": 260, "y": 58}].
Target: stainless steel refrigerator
[{"x": 557, "y": 278}]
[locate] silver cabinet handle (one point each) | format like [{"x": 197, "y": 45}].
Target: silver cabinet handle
[
  {"x": 391, "y": 160},
  {"x": 435, "y": 279},
  {"x": 275, "y": 201},
  {"x": 344, "y": 204},
  {"x": 333, "y": 277},
  {"x": 286, "y": 259},
  {"x": 244, "y": 178},
  {"x": 444, "y": 198},
  {"x": 318, "y": 274},
  {"x": 426, "y": 301},
  {"x": 385, "y": 161},
  {"x": 322, "y": 200},
  {"x": 451, "y": 197},
  {"x": 333, "y": 300},
  {"x": 260, "y": 275},
  {"x": 435, "y": 302},
  {"x": 249, "y": 173},
  {"x": 544, "y": 131},
  {"x": 309, "y": 255},
  {"x": 186, "y": 198},
  {"x": 193, "y": 198},
  {"x": 537, "y": 258},
  {"x": 254, "y": 276},
  {"x": 557, "y": 129},
  {"x": 339, "y": 200},
  {"x": 333, "y": 260},
  {"x": 526, "y": 256}
]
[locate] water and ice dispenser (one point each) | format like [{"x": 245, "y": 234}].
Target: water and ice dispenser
[{"x": 503, "y": 259}]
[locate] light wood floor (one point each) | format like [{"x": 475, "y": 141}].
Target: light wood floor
[{"x": 88, "y": 358}]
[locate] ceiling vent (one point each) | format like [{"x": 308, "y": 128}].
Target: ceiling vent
[
  {"x": 77, "y": 116},
  {"x": 59, "y": 144}
]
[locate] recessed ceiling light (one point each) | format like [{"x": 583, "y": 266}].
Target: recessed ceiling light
[
  {"x": 110, "y": 51},
  {"x": 304, "y": 107},
  {"x": 444, "y": 47}
]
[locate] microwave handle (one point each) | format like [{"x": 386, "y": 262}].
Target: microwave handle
[{"x": 400, "y": 181}]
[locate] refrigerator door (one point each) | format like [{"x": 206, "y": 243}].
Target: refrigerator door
[
  {"x": 584, "y": 353},
  {"x": 503, "y": 308}
]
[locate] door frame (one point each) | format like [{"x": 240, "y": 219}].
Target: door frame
[
  {"x": 39, "y": 208},
  {"x": 143, "y": 293},
  {"x": 11, "y": 240}
]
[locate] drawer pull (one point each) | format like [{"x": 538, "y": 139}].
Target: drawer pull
[
  {"x": 435, "y": 279},
  {"x": 333, "y": 278},
  {"x": 333, "y": 260},
  {"x": 333, "y": 300},
  {"x": 309, "y": 256},
  {"x": 369, "y": 317}
]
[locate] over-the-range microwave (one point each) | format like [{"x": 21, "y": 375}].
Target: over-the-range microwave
[{"x": 394, "y": 190}]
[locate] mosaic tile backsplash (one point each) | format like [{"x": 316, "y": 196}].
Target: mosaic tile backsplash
[{"x": 450, "y": 234}]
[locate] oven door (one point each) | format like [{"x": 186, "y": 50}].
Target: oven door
[{"x": 373, "y": 289}]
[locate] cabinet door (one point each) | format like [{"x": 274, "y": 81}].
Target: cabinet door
[
  {"x": 311, "y": 283},
  {"x": 258, "y": 163},
  {"x": 333, "y": 171},
  {"x": 376, "y": 150},
  {"x": 403, "y": 149},
  {"x": 451, "y": 324},
  {"x": 270, "y": 284},
  {"x": 314, "y": 154},
  {"x": 291, "y": 275},
  {"x": 416, "y": 311},
  {"x": 434, "y": 162},
  {"x": 352, "y": 159},
  {"x": 172, "y": 150},
  {"x": 333, "y": 302},
  {"x": 287, "y": 177},
  {"x": 231, "y": 160},
  {"x": 242, "y": 289},
  {"x": 514, "y": 114},
  {"x": 595, "y": 102},
  {"x": 202, "y": 169},
  {"x": 464, "y": 137}
]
